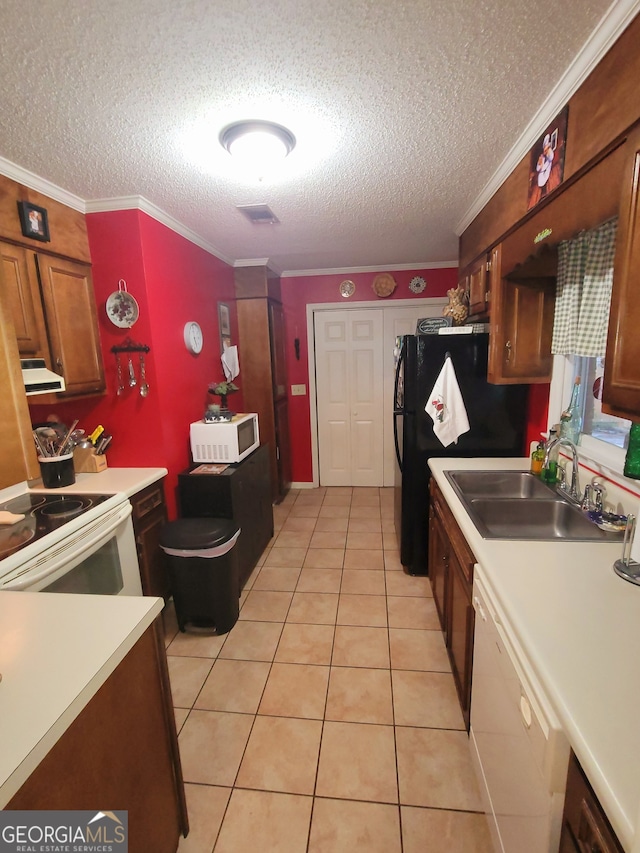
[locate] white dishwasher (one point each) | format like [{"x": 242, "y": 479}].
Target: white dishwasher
[{"x": 519, "y": 751}]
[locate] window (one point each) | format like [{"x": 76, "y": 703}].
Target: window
[{"x": 596, "y": 423}]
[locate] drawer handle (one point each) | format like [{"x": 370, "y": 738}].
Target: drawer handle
[{"x": 150, "y": 503}]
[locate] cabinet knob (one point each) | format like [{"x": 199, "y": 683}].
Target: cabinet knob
[
  {"x": 507, "y": 346},
  {"x": 59, "y": 363}
]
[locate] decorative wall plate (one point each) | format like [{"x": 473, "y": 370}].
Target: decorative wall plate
[
  {"x": 122, "y": 308},
  {"x": 417, "y": 284},
  {"x": 347, "y": 289},
  {"x": 383, "y": 284}
]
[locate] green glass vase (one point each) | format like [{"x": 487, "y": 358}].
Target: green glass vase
[{"x": 632, "y": 460}]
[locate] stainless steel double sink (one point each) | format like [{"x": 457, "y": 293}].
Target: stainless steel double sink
[{"x": 518, "y": 505}]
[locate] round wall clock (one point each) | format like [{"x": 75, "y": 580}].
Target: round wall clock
[
  {"x": 383, "y": 284},
  {"x": 347, "y": 289},
  {"x": 193, "y": 338},
  {"x": 417, "y": 284}
]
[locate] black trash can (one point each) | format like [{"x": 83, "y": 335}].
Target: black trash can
[{"x": 203, "y": 570}]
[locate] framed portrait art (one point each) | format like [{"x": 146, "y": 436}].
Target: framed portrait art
[
  {"x": 224, "y": 321},
  {"x": 34, "y": 221},
  {"x": 546, "y": 160}
]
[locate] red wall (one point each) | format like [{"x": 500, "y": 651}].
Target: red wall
[
  {"x": 297, "y": 293},
  {"x": 173, "y": 281}
]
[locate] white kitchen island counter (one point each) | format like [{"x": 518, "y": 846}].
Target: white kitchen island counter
[
  {"x": 56, "y": 651},
  {"x": 578, "y": 624}
]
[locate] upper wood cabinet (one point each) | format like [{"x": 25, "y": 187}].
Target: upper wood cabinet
[
  {"x": 22, "y": 293},
  {"x": 521, "y": 327},
  {"x": 72, "y": 324},
  {"x": 52, "y": 305},
  {"x": 478, "y": 287},
  {"x": 621, "y": 392}
]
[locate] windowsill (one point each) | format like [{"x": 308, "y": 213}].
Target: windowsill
[{"x": 607, "y": 461}]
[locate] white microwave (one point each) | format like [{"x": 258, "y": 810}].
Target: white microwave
[{"x": 225, "y": 441}]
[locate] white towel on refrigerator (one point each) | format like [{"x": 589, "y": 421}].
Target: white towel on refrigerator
[{"x": 446, "y": 406}]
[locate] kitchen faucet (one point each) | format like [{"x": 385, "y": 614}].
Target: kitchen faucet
[{"x": 572, "y": 494}]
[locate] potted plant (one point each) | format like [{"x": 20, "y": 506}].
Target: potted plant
[{"x": 222, "y": 390}]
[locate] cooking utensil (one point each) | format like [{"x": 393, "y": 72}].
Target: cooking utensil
[
  {"x": 119, "y": 370},
  {"x": 144, "y": 387},
  {"x": 95, "y": 435},
  {"x": 132, "y": 374},
  {"x": 62, "y": 449}
]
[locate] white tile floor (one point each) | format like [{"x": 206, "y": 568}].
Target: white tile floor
[{"x": 327, "y": 719}]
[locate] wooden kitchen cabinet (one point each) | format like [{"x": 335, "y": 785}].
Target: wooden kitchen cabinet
[
  {"x": 585, "y": 828},
  {"x": 264, "y": 372},
  {"x": 451, "y": 563},
  {"x": 241, "y": 492},
  {"x": 521, "y": 327},
  {"x": 149, "y": 517},
  {"x": 478, "y": 287},
  {"x": 621, "y": 391},
  {"x": 121, "y": 752},
  {"x": 72, "y": 324},
  {"x": 21, "y": 283},
  {"x": 438, "y": 558},
  {"x": 54, "y": 315}
]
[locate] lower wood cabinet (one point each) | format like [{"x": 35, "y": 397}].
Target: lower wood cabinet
[
  {"x": 149, "y": 517},
  {"x": 585, "y": 828},
  {"x": 451, "y": 563},
  {"x": 121, "y": 752}
]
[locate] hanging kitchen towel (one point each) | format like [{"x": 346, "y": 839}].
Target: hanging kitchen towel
[
  {"x": 446, "y": 406},
  {"x": 230, "y": 365}
]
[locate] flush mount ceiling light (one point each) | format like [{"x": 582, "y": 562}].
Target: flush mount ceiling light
[{"x": 260, "y": 145}]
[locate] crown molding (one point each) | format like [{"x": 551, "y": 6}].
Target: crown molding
[
  {"x": 138, "y": 202},
  {"x": 427, "y": 265},
  {"x": 610, "y": 28},
  {"x": 40, "y": 185}
]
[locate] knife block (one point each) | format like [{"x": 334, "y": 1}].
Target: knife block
[{"x": 86, "y": 461}]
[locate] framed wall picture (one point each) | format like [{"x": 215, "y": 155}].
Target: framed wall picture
[
  {"x": 34, "y": 221},
  {"x": 224, "y": 321},
  {"x": 546, "y": 161}
]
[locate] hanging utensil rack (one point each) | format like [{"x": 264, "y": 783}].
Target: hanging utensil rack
[{"x": 129, "y": 346}]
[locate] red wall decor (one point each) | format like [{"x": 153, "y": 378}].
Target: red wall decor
[{"x": 173, "y": 281}]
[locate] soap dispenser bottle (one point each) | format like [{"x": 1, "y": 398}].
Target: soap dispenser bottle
[
  {"x": 537, "y": 459},
  {"x": 550, "y": 473}
]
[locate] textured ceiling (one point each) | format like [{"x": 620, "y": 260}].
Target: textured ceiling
[{"x": 402, "y": 109}]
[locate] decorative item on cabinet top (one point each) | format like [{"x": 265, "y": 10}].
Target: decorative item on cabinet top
[
  {"x": 34, "y": 221},
  {"x": 347, "y": 288},
  {"x": 383, "y": 284},
  {"x": 130, "y": 347},
  {"x": 122, "y": 309},
  {"x": 458, "y": 306}
]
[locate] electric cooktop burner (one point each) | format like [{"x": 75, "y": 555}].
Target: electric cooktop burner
[{"x": 43, "y": 514}]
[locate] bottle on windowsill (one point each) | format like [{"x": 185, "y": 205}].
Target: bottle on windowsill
[
  {"x": 571, "y": 418},
  {"x": 549, "y": 473},
  {"x": 632, "y": 459}
]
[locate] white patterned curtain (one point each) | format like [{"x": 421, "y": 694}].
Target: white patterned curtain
[{"x": 585, "y": 277}]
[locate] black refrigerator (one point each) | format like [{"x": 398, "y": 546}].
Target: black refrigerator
[{"x": 497, "y": 419}]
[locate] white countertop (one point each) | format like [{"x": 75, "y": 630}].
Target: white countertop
[
  {"x": 579, "y": 625},
  {"x": 56, "y": 651},
  {"x": 127, "y": 480}
]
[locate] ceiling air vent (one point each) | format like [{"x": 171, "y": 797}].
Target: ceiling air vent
[{"x": 259, "y": 214}]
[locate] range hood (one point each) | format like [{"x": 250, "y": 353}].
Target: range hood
[{"x": 38, "y": 379}]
